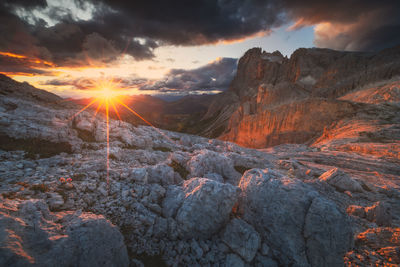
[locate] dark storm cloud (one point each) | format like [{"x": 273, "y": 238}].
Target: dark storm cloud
[
  {"x": 364, "y": 25},
  {"x": 198, "y": 22},
  {"x": 26, "y": 3},
  {"x": 12, "y": 66},
  {"x": 138, "y": 27},
  {"x": 215, "y": 76}
]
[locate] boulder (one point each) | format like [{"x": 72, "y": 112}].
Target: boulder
[
  {"x": 207, "y": 161},
  {"x": 233, "y": 260},
  {"x": 341, "y": 181},
  {"x": 300, "y": 226},
  {"x": 327, "y": 232},
  {"x": 356, "y": 210},
  {"x": 200, "y": 206},
  {"x": 242, "y": 239},
  {"x": 380, "y": 213},
  {"x": 31, "y": 235}
]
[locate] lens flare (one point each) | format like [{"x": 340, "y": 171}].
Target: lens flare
[{"x": 107, "y": 93}]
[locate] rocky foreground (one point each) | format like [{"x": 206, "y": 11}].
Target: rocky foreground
[{"x": 181, "y": 200}]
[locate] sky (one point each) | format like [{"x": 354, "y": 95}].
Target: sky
[{"x": 176, "y": 47}]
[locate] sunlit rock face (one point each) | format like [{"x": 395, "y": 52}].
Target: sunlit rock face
[{"x": 275, "y": 100}]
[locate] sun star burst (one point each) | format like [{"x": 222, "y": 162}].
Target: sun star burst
[{"x": 107, "y": 93}]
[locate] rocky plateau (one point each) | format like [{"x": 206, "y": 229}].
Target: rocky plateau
[{"x": 323, "y": 189}]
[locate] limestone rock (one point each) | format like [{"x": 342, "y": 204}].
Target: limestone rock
[
  {"x": 242, "y": 239},
  {"x": 202, "y": 206},
  {"x": 233, "y": 260},
  {"x": 206, "y": 161},
  {"x": 380, "y": 213},
  {"x": 327, "y": 232},
  {"x": 340, "y": 180},
  {"x": 30, "y": 235},
  {"x": 282, "y": 210}
]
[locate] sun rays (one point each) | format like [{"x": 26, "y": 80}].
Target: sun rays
[{"x": 108, "y": 94}]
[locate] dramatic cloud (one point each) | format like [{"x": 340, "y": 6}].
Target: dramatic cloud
[
  {"x": 215, "y": 76},
  {"x": 88, "y": 84},
  {"x": 95, "y": 32},
  {"x": 15, "y": 66},
  {"x": 363, "y": 25}
]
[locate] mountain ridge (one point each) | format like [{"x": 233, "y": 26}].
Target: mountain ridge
[{"x": 270, "y": 90}]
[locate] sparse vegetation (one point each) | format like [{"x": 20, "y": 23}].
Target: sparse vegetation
[
  {"x": 241, "y": 169},
  {"x": 86, "y": 136},
  {"x": 162, "y": 148},
  {"x": 40, "y": 187},
  {"x": 113, "y": 157},
  {"x": 78, "y": 176},
  {"x": 179, "y": 169},
  {"x": 34, "y": 147},
  {"x": 131, "y": 146},
  {"x": 9, "y": 195}
]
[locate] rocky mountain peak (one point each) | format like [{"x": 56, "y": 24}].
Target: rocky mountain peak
[{"x": 274, "y": 99}]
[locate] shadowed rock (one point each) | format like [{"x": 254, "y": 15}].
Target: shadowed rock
[
  {"x": 202, "y": 206},
  {"x": 32, "y": 236},
  {"x": 300, "y": 226}
]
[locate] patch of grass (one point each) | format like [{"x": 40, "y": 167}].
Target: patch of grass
[
  {"x": 86, "y": 136},
  {"x": 113, "y": 157},
  {"x": 162, "y": 148},
  {"x": 78, "y": 176},
  {"x": 179, "y": 169},
  {"x": 127, "y": 146},
  {"x": 241, "y": 169},
  {"x": 151, "y": 260},
  {"x": 126, "y": 229},
  {"x": 9, "y": 195},
  {"x": 40, "y": 187},
  {"x": 34, "y": 146}
]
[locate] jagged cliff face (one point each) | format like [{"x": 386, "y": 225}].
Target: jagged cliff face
[{"x": 275, "y": 99}]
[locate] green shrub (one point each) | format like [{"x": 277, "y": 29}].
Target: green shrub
[
  {"x": 241, "y": 169},
  {"x": 161, "y": 148},
  {"x": 179, "y": 169},
  {"x": 40, "y": 187}
]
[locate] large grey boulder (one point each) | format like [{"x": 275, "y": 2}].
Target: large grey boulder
[
  {"x": 206, "y": 161},
  {"x": 30, "y": 235},
  {"x": 242, "y": 239},
  {"x": 200, "y": 206},
  {"x": 301, "y": 227},
  {"x": 327, "y": 233}
]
